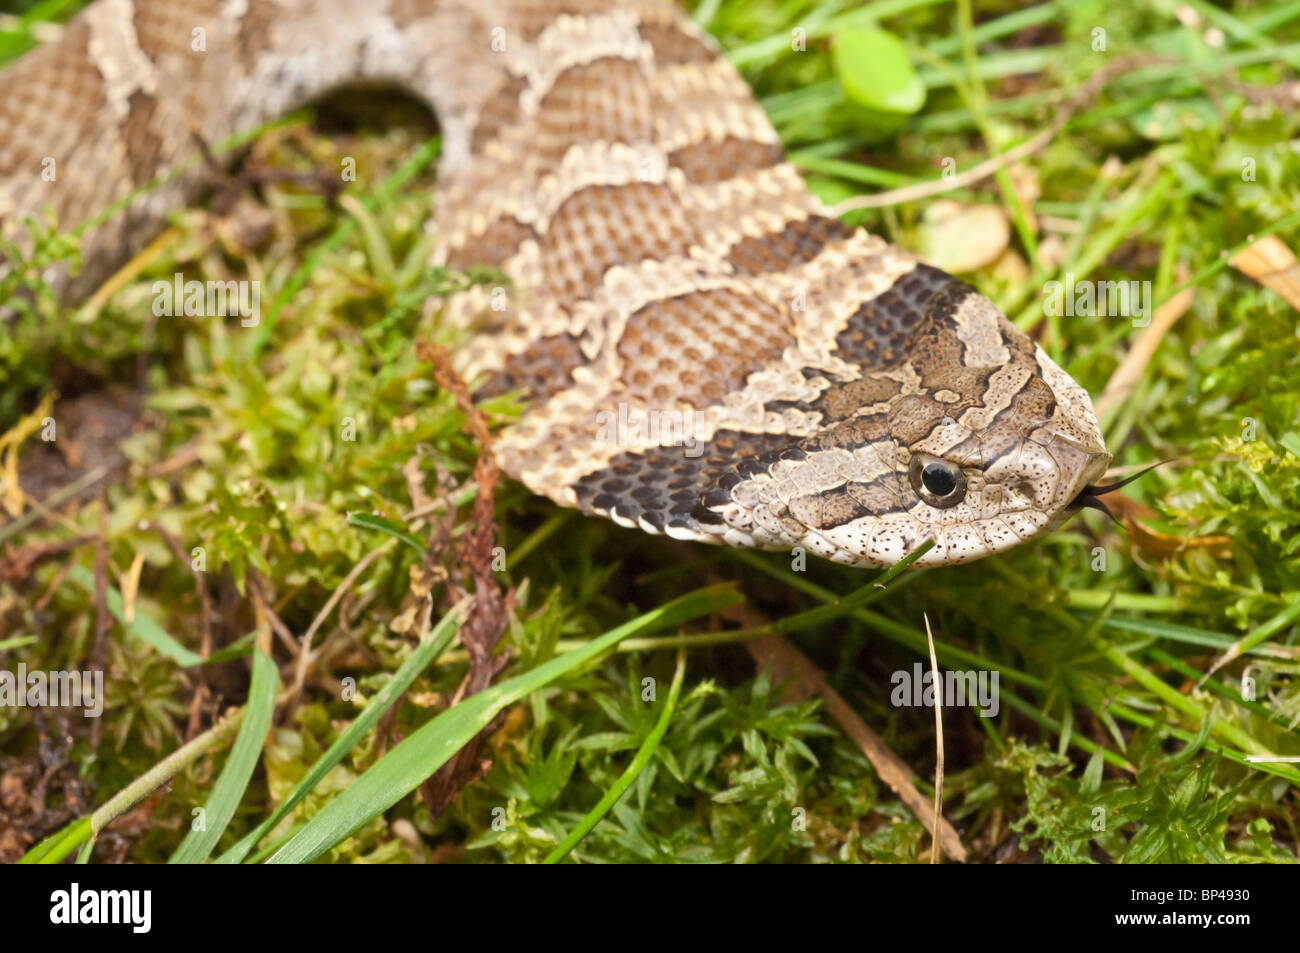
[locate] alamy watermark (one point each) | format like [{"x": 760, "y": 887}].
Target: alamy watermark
[
  {"x": 213, "y": 299},
  {"x": 916, "y": 689},
  {"x": 57, "y": 689},
  {"x": 133, "y": 908},
  {"x": 1124, "y": 299}
]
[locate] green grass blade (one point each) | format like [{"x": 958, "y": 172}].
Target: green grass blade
[
  {"x": 59, "y": 844},
  {"x": 643, "y": 756},
  {"x": 229, "y": 789},
  {"x": 1190, "y": 635},
  {"x": 419, "y": 659},
  {"x": 407, "y": 765},
  {"x": 395, "y": 530},
  {"x": 141, "y": 626}
]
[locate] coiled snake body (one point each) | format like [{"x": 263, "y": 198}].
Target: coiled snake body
[{"x": 705, "y": 350}]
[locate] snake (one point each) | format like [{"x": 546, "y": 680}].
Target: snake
[{"x": 699, "y": 346}]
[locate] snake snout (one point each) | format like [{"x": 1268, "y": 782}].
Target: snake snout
[
  {"x": 1077, "y": 468},
  {"x": 1080, "y": 468}
]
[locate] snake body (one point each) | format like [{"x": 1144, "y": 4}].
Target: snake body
[{"x": 704, "y": 349}]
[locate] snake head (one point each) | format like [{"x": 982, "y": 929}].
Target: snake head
[{"x": 970, "y": 436}]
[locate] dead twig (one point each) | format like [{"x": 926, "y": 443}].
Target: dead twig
[
  {"x": 935, "y": 856},
  {"x": 1130, "y": 370},
  {"x": 493, "y": 607},
  {"x": 788, "y": 663},
  {"x": 103, "y": 620}
]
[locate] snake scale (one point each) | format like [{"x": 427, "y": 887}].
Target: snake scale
[{"x": 704, "y": 349}]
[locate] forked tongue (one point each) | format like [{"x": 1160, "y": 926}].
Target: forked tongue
[{"x": 1088, "y": 496}]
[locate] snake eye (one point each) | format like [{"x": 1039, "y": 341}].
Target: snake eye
[
  {"x": 938, "y": 482},
  {"x": 938, "y": 479}
]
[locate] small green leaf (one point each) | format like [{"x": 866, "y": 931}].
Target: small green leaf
[
  {"x": 1092, "y": 774},
  {"x": 876, "y": 71},
  {"x": 633, "y": 771},
  {"x": 229, "y": 789},
  {"x": 142, "y": 627},
  {"x": 244, "y": 645},
  {"x": 395, "y": 530}
]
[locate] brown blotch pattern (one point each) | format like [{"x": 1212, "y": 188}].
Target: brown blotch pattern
[
  {"x": 936, "y": 354},
  {"x": 494, "y": 246},
  {"x": 852, "y": 501},
  {"x": 912, "y": 418},
  {"x": 696, "y": 348},
  {"x": 844, "y": 400},
  {"x": 500, "y": 110},
  {"x": 530, "y": 18},
  {"x": 1029, "y": 408},
  {"x": 253, "y": 28},
  {"x": 606, "y": 100},
  {"x": 143, "y": 147},
  {"x": 543, "y": 370},
  {"x": 847, "y": 434},
  {"x": 49, "y": 95},
  {"x": 798, "y": 243},
  {"x": 159, "y": 22},
  {"x": 824, "y": 510},
  {"x": 673, "y": 45},
  {"x": 880, "y": 332},
  {"x": 604, "y": 225},
  {"x": 714, "y": 160}
]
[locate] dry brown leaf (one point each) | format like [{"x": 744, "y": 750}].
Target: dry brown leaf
[
  {"x": 1270, "y": 262},
  {"x": 130, "y": 586},
  {"x": 1155, "y": 544}
]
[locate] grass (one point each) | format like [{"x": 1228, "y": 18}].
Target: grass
[{"x": 1110, "y": 743}]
